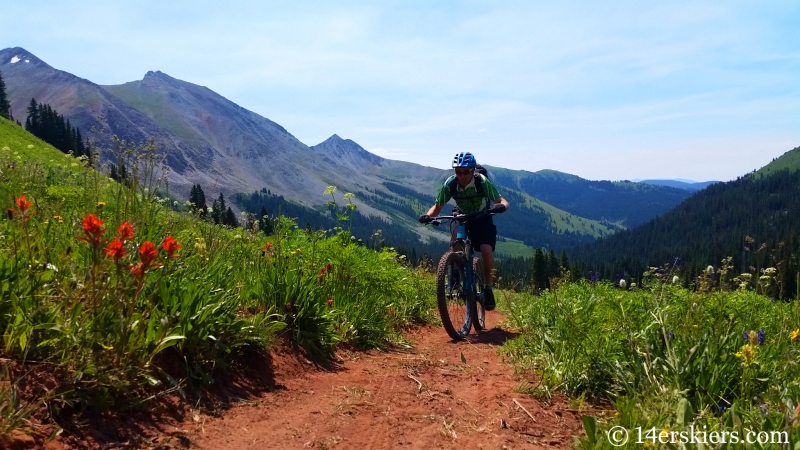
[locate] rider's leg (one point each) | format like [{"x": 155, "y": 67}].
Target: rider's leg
[{"x": 488, "y": 263}]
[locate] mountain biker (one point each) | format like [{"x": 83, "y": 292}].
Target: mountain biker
[{"x": 482, "y": 232}]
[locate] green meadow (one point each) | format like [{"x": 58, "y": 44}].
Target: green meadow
[{"x": 122, "y": 295}]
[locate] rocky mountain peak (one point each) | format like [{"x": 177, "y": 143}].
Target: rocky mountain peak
[{"x": 20, "y": 56}]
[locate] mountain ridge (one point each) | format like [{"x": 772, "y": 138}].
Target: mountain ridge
[{"x": 209, "y": 140}]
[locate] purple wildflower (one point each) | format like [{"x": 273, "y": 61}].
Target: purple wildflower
[{"x": 761, "y": 337}]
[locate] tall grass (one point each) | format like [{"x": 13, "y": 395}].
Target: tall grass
[
  {"x": 121, "y": 298},
  {"x": 728, "y": 358}
]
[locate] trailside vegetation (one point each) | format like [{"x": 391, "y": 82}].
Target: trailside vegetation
[
  {"x": 120, "y": 299},
  {"x": 660, "y": 356}
]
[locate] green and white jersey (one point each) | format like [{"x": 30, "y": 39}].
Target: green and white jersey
[{"x": 467, "y": 198}]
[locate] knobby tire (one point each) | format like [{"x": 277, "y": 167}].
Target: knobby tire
[
  {"x": 478, "y": 309},
  {"x": 451, "y": 297}
]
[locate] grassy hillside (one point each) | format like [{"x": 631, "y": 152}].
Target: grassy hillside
[
  {"x": 788, "y": 161},
  {"x": 108, "y": 287}
]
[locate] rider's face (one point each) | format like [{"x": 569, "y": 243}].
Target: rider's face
[{"x": 464, "y": 176}]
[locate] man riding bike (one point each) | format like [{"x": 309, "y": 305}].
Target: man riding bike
[{"x": 473, "y": 192}]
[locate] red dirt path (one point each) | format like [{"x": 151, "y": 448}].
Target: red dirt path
[{"x": 418, "y": 398}]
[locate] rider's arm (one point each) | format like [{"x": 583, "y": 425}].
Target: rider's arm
[
  {"x": 434, "y": 211},
  {"x": 502, "y": 201}
]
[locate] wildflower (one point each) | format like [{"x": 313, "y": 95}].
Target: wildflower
[
  {"x": 116, "y": 250},
  {"x": 125, "y": 232},
  {"x": 147, "y": 252},
  {"x": 794, "y": 334},
  {"x": 391, "y": 311},
  {"x": 200, "y": 245},
  {"x": 348, "y": 196},
  {"x": 330, "y": 301},
  {"x": 710, "y": 270},
  {"x": 675, "y": 279},
  {"x": 670, "y": 335},
  {"x": 58, "y": 219},
  {"x": 23, "y": 205},
  {"x": 171, "y": 246},
  {"x": 101, "y": 204},
  {"x": 722, "y": 409},
  {"x": 746, "y": 337},
  {"x": 761, "y": 337},
  {"x": 677, "y": 261},
  {"x": 93, "y": 229}
]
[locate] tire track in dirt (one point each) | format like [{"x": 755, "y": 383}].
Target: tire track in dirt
[{"x": 420, "y": 397}]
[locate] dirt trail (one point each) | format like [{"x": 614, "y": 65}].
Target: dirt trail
[{"x": 421, "y": 397}]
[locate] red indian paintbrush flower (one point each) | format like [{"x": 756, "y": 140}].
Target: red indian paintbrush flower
[
  {"x": 147, "y": 253},
  {"x": 116, "y": 250},
  {"x": 171, "y": 246},
  {"x": 23, "y": 205},
  {"x": 93, "y": 229},
  {"x": 125, "y": 232}
]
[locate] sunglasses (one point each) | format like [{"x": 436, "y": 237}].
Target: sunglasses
[{"x": 463, "y": 172}]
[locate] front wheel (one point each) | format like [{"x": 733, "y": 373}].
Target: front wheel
[
  {"x": 451, "y": 296},
  {"x": 478, "y": 309}
]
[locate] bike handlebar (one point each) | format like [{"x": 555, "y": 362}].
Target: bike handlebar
[{"x": 464, "y": 217}]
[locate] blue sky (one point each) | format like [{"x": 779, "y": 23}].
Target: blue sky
[{"x": 603, "y": 90}]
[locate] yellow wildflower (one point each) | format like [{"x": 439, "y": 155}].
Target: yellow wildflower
[
  {"x": 101, "y": 204},
  {"x": 795, "y": 334},
  {"x": 58, "y": 219}
]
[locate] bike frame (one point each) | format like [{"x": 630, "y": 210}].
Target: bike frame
[{"x": 473, "y": 301}]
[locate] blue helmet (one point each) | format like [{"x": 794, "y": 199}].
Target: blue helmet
[{"x": 464, "y": 159}]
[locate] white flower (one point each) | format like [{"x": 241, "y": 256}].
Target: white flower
[
  {"x": 52, "y": 267},
  {"x": 623, "y": 284},
  {"x": 710, "y": 270},
  {"x": 675, "y": 279}
]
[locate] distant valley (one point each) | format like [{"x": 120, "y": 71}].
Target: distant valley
[{"x": 211, "y": 141}]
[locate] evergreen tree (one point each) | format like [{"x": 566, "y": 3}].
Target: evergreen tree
[
  {"x": 198, "y": 200},
  {"x": 264, "y": 222},
  {"x": 32, "y": 122},
  {"x": 539, "y": 269},
  {"x": 564, "y": 263},
  {"x": 230, "y": 218},
  {"x": 553, "y": 268},
  {"x": 5, "y": 105},
  {"x": 216, "y": 215}
]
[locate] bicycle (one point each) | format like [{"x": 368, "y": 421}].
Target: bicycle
[{"x": 459, "y": 285}]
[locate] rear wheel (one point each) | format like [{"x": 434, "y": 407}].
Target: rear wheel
[
  {"x": 451, "y": 296},
  {"x": 478, "y": 309}
]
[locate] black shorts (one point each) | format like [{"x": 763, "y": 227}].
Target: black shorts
[{"x": 482, "y": 232}]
